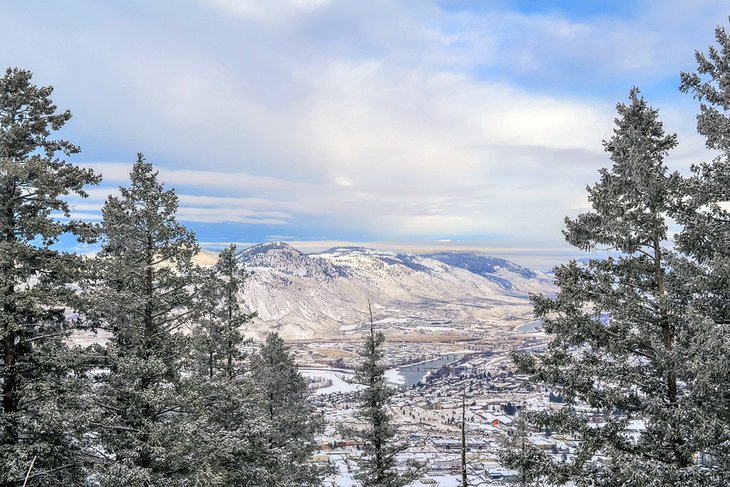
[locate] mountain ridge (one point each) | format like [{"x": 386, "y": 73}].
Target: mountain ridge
[{"x": 325, "y": 294}]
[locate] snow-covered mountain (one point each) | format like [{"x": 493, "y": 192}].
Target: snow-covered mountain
[
  {"x": 326, "y": 294},
  {"x": 511, "y": 276}
]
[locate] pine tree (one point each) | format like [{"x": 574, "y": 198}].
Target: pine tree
[
  {"x": 223, "y": 397},
  {"x": 287, "y": 442},
  {"x": 704, "y": 272},
  {"x": 378, "y": 462},
  {"x": 616, "y": 324},
  {"x": 145, "y": 298},
  {"x": 38, "y": 386}
]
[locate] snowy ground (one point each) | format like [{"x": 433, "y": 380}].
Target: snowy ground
[
  {"x": 528, "y": 327},
  {"x": 340, "y": 379},
  {"x": 346, "y": 468}
]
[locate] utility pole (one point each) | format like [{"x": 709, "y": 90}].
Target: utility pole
[{"x": 464, "y": 481}]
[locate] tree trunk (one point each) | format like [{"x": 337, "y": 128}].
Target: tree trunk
[
  {"x": 10, "y": 373},
  {"x": 668, "y": 339},
  {"x": 230, "y": 326}
]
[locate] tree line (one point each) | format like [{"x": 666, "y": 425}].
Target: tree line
[{"x": 171, "y": 399}]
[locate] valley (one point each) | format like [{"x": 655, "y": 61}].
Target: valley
[{"x": 450, "y": 321}]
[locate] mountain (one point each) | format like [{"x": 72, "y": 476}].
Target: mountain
[
  {"x": 326, "y": 294},
  {"x": 511, "y": 276}
]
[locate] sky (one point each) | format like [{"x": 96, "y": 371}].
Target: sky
[{"x": 403, "y": 125}]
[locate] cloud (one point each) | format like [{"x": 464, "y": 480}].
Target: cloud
[
  {"x": 197, "y": 208},
  {"x": 388, "y": 120},
  {"x": 119, "y": 173},
  {"x": 269, "y": 10},
  {"x": 236, "y": 215}
]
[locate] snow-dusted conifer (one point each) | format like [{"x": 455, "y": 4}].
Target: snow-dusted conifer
[
  {"x": 378, "y": 463},
  {"x": 218, "y": 337},
  {"x": 616, "y": 324},
  {"x": 704, "y": 272},
  {"x": 523, "y": 456},
  {"x": 287, "y": 442},
  {"x": 145, "y": 301},
  {"x": 38, "y": 389},
  {"x": 222, "y": 397}
]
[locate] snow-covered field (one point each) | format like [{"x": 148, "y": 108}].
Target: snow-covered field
[{"x": 340, "y": 379}]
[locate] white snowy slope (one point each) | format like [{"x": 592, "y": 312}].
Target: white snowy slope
[{"x": 326, "y": 294}]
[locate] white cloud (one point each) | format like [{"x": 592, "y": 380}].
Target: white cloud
[
  {"x": 237, "y": 215},
  {"x": 266, "y": 10},
  {"x": 119, "y": 173},
  {"x": 392, "y": 119}
]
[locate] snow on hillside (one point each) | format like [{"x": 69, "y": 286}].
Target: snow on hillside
[
  {"x": 512, "y": 277},
  {"x": 326, "y": 294}
]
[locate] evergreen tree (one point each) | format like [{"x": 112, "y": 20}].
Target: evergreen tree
[
  {"x": 616, "y": 324},
  {"x": 218, "y": 338},
  {"x": 145, "y": 298},
  {"x": 223, "y": 398},
  {"x": 523, "y": 456},
  {"x": 380, "y": 444},
  {"x": 704, "y": 272},
  {"x": 287, "y": 443},
  {"x": 39, "y": 388}
]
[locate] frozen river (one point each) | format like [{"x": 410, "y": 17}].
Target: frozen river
[
  {"x": 407, "y": 375},
  {"x": 338, "y": 377}
]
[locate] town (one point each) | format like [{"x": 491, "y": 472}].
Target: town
[{"x": 475, "y": 382}]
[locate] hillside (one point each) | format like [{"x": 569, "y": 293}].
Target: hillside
[{"x": 325, "y": 294}]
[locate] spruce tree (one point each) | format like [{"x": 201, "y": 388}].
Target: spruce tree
[
  {"x": 616, "y": 323},
  {"x": 704, "y": 271},
  {"x": 145, "y": 299},
  {"x": 39, "y": 388},
  {"x": 223, "y": 397},
  {"x": 218, "y": 337},
  {"x": 378, "y": 463},
  {"x": 287, "y": 441}
]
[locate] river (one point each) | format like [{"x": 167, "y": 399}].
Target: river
[
  {"x": 407, "y": 376},
  {"x": 415, "y": 373}
]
